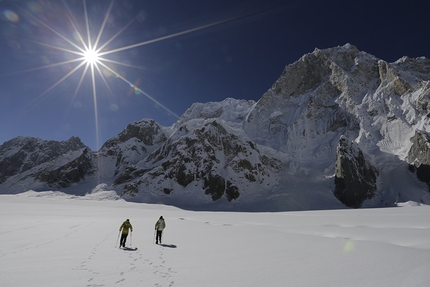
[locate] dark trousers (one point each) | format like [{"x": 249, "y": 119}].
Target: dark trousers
[
  {"x": 123, "y": 239},
  {"x": 158, "y": 237}
]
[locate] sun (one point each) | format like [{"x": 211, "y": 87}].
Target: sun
[{"x": 91, "y": 56}]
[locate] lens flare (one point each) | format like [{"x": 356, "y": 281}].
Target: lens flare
[
  {"x": 11, "y": 16},
  {"x": 349, "y": 246}
]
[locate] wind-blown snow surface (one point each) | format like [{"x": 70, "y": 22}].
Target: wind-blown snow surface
[{"x": 54, "y": 239}]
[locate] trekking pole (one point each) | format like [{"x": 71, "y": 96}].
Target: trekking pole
[
  {"x": 131, "y": 238},
  {"x": 153, "y": 241},
  {"x": 117, "y": 238}
]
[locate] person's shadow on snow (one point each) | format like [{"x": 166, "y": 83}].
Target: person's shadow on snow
[
  {"x": 129, "y": 248},
  {"x": 168, "y": 245}
]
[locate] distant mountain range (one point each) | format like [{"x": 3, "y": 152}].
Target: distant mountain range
[{"x": 339, "y": 128}]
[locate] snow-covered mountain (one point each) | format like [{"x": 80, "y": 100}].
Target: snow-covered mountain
[
  {"x": 27, "y": 163},
  {"x": 339, "y": 128}
]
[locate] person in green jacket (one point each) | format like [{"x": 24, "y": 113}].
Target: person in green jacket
[
  {"x": 159, "y": 226},
  {"x": 126, "y": 225}
]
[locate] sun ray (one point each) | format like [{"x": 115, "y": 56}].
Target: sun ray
[
  {"x": 121, "y": 64},
  {"x": 116, "y": 35},
  {"x": 60, "y": 81},
  {"x": 75, "y": 29},
  {"x": 104, "y": 79},
  {"x": 85, "y": 47},
  {"x": 103, "y": 25},
  {"x": 165, "y": 37},
  {"x": 42, "y": 67},
  {"x": 87, "y": 25},
  {"x": 134, "y": 87},
  {"x": 80, "y": 53},
  {"x": 78, "y": 86},
  {"x": 54, "y": 31},
  {"x": 96, "y": 112}
]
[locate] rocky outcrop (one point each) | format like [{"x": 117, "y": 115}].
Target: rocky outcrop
[
  {"x": 229, "y": 110},
  {"x": 419, "y": 156},
  {"x": 355, "y": 177},
  {"x": 133, "y": 144},
  {"x": 423, "y": 102},
  {"x": 211, "y": 158},
  {"x": 146, "y": 131},
  {"x": 72, "y": 171}
]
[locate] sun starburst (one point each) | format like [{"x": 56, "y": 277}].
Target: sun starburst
[{"x": 89, "y": 53}]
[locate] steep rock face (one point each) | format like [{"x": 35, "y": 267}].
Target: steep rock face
[
  {"x": 230, "y": 110},
  {"x": 355, "y": 177},
  {"x": 311, "y": 104},
  {"x": 74, "y": 170},
  {"x": 23, "y": 153},
  {"x": 133, "y": 144},
  {"x": 209, "y": 159},
  {"x": 419, "y": 156}
]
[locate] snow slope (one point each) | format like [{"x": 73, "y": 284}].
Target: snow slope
[{"x": 55, "y": 239}]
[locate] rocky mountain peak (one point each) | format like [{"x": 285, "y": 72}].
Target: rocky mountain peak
[
  {"x": 229, "y": 110},
  {"x": 146, "y": 131},
  {"x": 22, "y": 154},
  {"x": 131, "y": 145}
]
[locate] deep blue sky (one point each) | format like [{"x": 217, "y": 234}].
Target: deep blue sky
[{"x": 240, "y": 57}]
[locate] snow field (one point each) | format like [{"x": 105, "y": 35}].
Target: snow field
[{"x": 49, "y": 239}]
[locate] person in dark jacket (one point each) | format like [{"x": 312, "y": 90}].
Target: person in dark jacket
[
  {"x": 125, "y": 227},
  {"x": 159, "y": 226}
]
